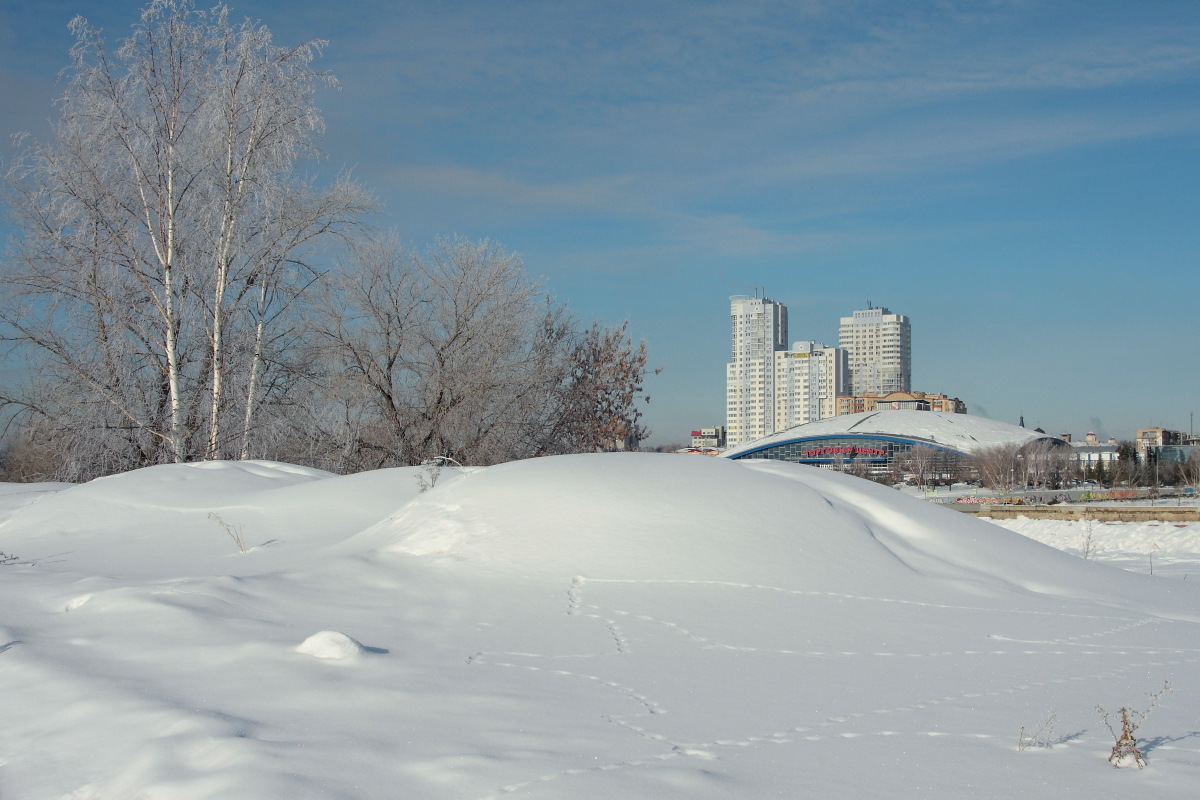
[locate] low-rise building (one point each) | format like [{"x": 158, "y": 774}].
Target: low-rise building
[
  {"x": 1171, "y": 454},
  {"x": 709, "y": 437},
  {"x": 945, "y": 403},
  {"x": 899, "y": 401},
  {"x": 1090, "y": 454},
  {"x": 1148, "y": 438}
]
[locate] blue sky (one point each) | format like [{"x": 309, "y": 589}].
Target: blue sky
[{"x": 1022, "y": 179}]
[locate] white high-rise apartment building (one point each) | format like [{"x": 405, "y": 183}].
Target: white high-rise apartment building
[
  {"x": 770, "y": 388},
  {"x": 759, "y": 329},
  {"x": 879, "y": 347},
  {"x": 808, "y": 379}
]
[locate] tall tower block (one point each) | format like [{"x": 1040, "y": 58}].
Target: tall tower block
[
  {"x": 759, "y": 329},
  {"x": 879, "y": 349}
]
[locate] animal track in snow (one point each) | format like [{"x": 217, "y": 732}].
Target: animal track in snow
[
  {"x": 828, "y": 728},
  {"x": 574, "y": 594},
  {"x": 650, "y": 706},
  {"x": 579, "y": 581}
]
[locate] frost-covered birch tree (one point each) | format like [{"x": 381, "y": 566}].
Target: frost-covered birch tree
[{"x": 165, "y": 236}]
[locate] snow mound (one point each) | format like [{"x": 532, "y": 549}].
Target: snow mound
[
  {"x": 593, "y": 626},
  {"x": 196, "y": 485},
  {"x": 172, "y": 518},
  {"x": 331, "y": 645},
  {"x": 641, "y": 515},
  {"x": 16, "y": 496}
]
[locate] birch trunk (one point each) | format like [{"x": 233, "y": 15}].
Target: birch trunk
[
  {"x": 251, "y": 390},
  {"x": 176, "y": 154}
]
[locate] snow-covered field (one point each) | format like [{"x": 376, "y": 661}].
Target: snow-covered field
[
  {"x": 599, "y": 626},
  {"x": 1168, "y": 549}
]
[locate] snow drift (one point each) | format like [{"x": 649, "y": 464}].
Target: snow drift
[{"x": 640, "y": 625}]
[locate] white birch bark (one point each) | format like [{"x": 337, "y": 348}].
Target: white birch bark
[{"x": 178, "y": 151}]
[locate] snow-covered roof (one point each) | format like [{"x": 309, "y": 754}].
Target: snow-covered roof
[{"x": 960, "y": 432}]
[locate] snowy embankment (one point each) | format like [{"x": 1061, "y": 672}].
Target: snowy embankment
[{"x": 624, "y": 625}]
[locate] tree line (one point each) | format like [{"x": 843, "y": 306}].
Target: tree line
[
  {"x": 178, "y": 290},
  {"x": 1039, "y": 464},
  {"x": 1052, "y": 466}
]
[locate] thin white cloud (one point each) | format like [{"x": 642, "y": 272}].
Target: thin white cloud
[
  {"x": 943, "y": 143},
  {"x": 573, "y": 59},
  {"x": 610, "y": 195}
]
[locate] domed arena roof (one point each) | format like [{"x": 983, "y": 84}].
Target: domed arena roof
[{"x": 961, "y": 433}]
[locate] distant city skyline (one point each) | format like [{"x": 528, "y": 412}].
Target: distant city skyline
[
  {"x": 777, "y": 380},
  {"x": 1021, "y": 179}
]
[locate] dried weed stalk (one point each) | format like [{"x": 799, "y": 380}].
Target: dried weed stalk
[
  {"x": 1125, "y": 743},
  {"x": 1039, "y": 737},
  {"x": 234, "y": 531}
]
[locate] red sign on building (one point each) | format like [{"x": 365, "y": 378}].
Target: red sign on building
[{"x": 816, "y": 452}]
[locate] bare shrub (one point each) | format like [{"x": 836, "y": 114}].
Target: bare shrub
[
  {"x": 431, "y": 470},
  {"x": 1125, "y": 743},
  {"x": 1089, "y": 550},
  {"x": 22, "y": 460}
]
